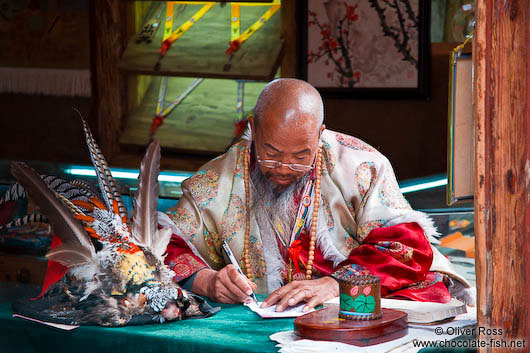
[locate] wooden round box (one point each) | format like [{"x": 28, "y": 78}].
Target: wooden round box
[{"x": 360, "y": 298}]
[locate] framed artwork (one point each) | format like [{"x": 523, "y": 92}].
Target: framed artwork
[
  {"x": 461, "y": 134},
  {"x": 366, "y": 48}
]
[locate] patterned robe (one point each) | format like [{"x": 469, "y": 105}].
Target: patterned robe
[{"x": 365, "y": 226}]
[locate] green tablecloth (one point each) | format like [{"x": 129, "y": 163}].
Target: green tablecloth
[{"x": 234, "y": 329}]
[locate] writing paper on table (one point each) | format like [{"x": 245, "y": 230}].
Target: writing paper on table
[{"x": 271, "y": 313}]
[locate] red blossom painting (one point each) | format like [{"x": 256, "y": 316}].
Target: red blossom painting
[{"x": 363, "y": 43}]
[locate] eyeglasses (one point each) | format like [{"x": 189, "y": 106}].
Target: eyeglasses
[{"x": 269, "y": 163}]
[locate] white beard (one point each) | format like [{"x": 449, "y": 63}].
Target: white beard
[
  {"x": 272, "y": 205},
  {"x": 280, "y": 210}
]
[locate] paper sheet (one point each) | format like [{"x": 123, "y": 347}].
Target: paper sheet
[
  {"x": 52, "y": 324},
  {"x": 271, "y": 313}
]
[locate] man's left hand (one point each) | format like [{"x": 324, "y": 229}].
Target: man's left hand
[{"x": 314, "y": 292}]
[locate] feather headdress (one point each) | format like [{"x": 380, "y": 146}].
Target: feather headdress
[{"x": 116, "y": 273}]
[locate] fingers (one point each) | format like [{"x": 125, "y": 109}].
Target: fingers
[
  {"x": 293, "y": 297},
  {"x": 277, "y": 294},
  {"x": 239, "y": 280},
  {"x": 230, "y": 286},
  {"x": 314, "y": 301},
  {"x": 229, "y": 289},
  {"x": 283, "y": 294},
  {"x": 299, "y": 296},
  {"x": 314, "y": 292}
]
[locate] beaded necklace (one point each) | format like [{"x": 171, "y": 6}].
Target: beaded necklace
[{"x": 312, "y": 241}]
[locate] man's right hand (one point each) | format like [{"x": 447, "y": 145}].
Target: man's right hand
[{"x": 224, "y": 286}]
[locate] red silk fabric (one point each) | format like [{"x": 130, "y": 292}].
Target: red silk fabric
[
  {"x": 181, "y": 259},
  {"x": 54, "y": 270},
  {"x": 400, "y": 255}
]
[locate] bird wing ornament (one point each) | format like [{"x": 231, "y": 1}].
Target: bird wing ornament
[{"x": 116, "y": 272}]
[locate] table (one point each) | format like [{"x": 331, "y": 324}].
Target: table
[{"x": 234, "y": 329}]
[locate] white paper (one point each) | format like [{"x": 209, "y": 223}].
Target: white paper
[
  {"x": 52, "y": 324},
  {"x": 271, "y": 313}
]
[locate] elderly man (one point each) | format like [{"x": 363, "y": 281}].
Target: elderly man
[{"x": 296, "y": 203}]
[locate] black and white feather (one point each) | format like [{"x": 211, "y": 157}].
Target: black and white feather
[
  {"x": 106, "y": 181},
  {"x": 77, "y": 247},
  {"x": 35, "y": 217},
  {"x": 103, "y": 283}
]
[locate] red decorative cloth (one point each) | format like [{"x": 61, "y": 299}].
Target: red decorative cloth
[
  {"x": 400, "y": 255},
  {"x": 181, "y": 259}
]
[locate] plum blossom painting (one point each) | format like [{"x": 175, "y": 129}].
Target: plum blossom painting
[{"x": 369, "y": 48}]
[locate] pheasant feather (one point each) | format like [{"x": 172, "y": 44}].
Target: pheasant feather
[
  {"x": 73, "y": 208},
  {"x": 145, "y": 214},
  {"x": 126, "y": 277},
  {"x": 35, "y": 217},
  {"x": 64, "y": 224},
  {"x": 106, "y": 181},
  {"x": 84, "y": 186},
  {"x": 69, "y": 255},
  {"x": 15, "y": 192}
]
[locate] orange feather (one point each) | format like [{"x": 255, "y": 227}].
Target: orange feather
[
  {"x": 83, "y": 217},
  {"x": 115, "y": 207},
  {"x": 86, "y": 205},
  {"x": 98, "y": 203}
]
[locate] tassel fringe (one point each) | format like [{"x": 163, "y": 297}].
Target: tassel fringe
[{"x": 53, "y": 82}]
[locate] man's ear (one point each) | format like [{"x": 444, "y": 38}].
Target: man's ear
[{"x": 322, "y": 129}]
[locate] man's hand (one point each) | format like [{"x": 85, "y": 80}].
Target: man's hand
[
  {"x": 314, "y": 292},
  {"x": 224, "y": 286}
]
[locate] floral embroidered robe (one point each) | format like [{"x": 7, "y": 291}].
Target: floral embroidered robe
[{"x": 368, "y": 223}]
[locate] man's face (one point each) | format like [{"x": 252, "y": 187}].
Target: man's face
[{"x": 287, "y": 143}]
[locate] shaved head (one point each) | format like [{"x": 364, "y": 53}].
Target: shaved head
[
  {"x": 286, "y": 128},
  {"x": 293, "y": 99}
]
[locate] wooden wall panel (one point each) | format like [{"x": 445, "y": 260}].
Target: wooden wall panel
[
  {"x": 108, "y": 29},
  {"x": 502, "y": 179}
]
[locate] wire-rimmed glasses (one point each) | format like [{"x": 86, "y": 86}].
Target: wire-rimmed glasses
[{"x": 270, "y": 163}]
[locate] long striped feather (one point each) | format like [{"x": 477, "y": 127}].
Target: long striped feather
[
  {"x": 66, "y": 188},
  {"x": 73, "y": 208},
  {"x": 35, "y": 217},
  {"x": 63, "y": 222},
  {"x": 145, "y": 214},
  {"x": 85, "y": 186},
  {"x": 15, "y": 192},
  {"x": 106, "y": 182}
]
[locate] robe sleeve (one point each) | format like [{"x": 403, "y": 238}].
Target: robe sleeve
[
  {"x": 182, "y": 257},
  {"x": 193, "y": 246},
  {"x": 182, "y": 260},
  {"x": 400, "y": 255},
  {"x": 394, "y": 240},
  {"x": 202, "y": 218}
]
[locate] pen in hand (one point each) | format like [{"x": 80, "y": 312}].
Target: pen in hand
[{"x": 233, "y": 260}]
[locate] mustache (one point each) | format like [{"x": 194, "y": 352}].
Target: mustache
[
  {"x": 280, "y": 176},
  {"x": 272, "y": 174},
  {"x": 271, "y": 191}
]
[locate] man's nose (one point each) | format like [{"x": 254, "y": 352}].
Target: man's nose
[{"x": 284, "y": 170}]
